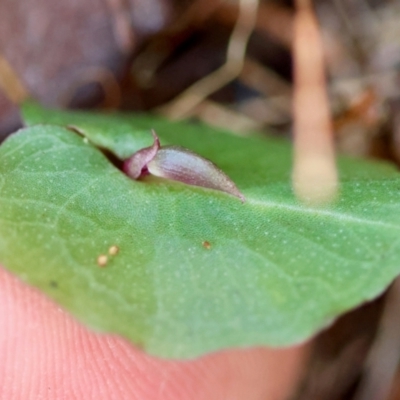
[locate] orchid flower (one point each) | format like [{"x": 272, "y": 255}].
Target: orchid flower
[{"x": 179, "y": 164}]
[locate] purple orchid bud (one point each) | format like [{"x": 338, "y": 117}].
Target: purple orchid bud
[
  {"x": 136, "y": 165},
  {"x": 179, "y": 164}
]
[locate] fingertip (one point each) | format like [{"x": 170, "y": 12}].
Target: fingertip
[{"x": 46, "y": 353}]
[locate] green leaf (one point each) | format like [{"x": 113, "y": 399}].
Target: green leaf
[{"x": 197, "y": 270}]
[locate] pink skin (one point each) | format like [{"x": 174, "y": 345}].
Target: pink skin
[{"x": 45, "y": 353}]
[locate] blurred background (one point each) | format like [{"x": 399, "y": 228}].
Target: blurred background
[
  {"x": 155, "y": 55},
  {"x": 141, "y": 54}
]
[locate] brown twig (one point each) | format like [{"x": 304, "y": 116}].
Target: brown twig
[
  {"x": 217, "y": 115},
  {"x": 263, "y": 79},
  {"x": 184, "y": 104},
  {"x": 275, "y": 107},
  {"x": 146, "y": 64},
  {"x": 11, "y": 84},
  {"x": 271, "y": 17},
  {"x": 314, "y": 174},
  {"x": 121, "y": 25},
  {"x": 383, "y": 357}
]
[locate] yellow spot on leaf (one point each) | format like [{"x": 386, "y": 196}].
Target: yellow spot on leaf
[
  {"x": 207, "y": 245},
  {"x": 102, "y": 260},
  {"x": 113, "y": 250}
]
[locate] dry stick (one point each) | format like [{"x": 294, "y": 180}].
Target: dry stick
[
  {"x": 271, "y": 17},
  {"x": 10, "y": 83},
  {"x": 195, "y": 94},
  {"x": 121, "y": 25},
  {"x": 383, "y": 358},
  {"x": 215, "y": 114},
  {"x": 147, "y": 62},
  {"x": 314, "y": 173},
  {"x": 276, "y": 104},
  {"x": 263, "y": 79}
]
